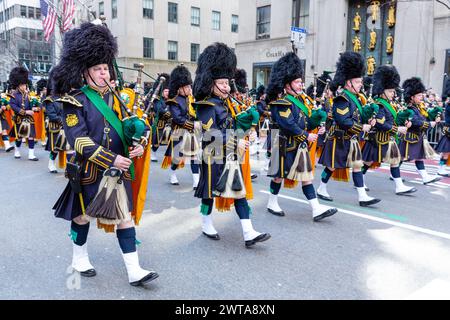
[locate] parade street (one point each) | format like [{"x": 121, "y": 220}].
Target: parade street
[{"x": 397, "y": 249}]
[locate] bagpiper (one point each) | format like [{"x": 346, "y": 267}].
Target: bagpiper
[
  {"x": 414, "y": 145},
  {"x": 5, "y": 121},
  {"x": 444, "y": 144},
  {"x": 342, "y": 150},
  {"x": 183, "y": 121},
  {"x": 223, "y": 146},
  {"x": 381, "y": 145},
  {"x": 24, "y": 125},
  {"x": 293, "y": 121},
  {"x": 104, "y": 178}
]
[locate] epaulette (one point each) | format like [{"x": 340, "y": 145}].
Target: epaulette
[
  {"x": 69, "y": 99},
  {"x": 9, "y": 95},
  {"x": 282, "y": 102},
  {"x": 171, "y": 101},
  {"x": 203, "y": 103},
  {"x": 49, "y": 99},
  {"x": 341, "y": 96}
]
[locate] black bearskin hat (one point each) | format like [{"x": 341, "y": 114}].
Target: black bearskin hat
[
  {"x": 321, "y": 84},
  {"x": 165, "y": 83},
  {"x": 349, "y": 66},
  {"x": 385, "y": 77},
  {"x": 446, "y": 92},
  {"x": 179, "y": 77},
  {"x": 367, "y": 81},
  {"x": 260, "y": 91},
  {"x": 285, "y": 70},
  {"x": 412, "y": 86},
  {"x": 83, "y": 47},
  {"x": 40, "y": 85},
  {"x": 240, "y": 78},
  {"x": 18, "y": 76},
  {"x": 217, "y": 61}
]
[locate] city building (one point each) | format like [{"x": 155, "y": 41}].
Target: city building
[{"x": 413, "y": 35}]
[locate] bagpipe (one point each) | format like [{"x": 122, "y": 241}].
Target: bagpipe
[
  {"x": 404, "y": 114},
  {"x": 370, "y": 108},
  {"x": 246, "y": 115},
  {"x": 318, "y": 115}
]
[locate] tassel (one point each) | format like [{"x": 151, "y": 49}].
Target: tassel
[
  {"x": 342, "y": 174},
  {"x": 309, "y": 166},
  {"x": 109, "y": 209},
  {"x": 167, "y": 162},
  {"x": 301, "y": 163},
  {"x": 236, "y": 185},
  {"x": 221, "y": 184},
  {"x": 428, "y": 149},
  {"x": 97, "y": 203},
  {"x": 290, "y": 184}
]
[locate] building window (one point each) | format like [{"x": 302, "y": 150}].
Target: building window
[
  {"x": 148, "y": 48},
  {"x": 300, "y": 13},
  {"x": 195, "y": 51},
  {"x": 101, "y": 8},
  {"x": 38, "y": 13},
  {"x": 31, "y": 12},
  {"x": 216, "y": 20},
  {"x": 173, "y": 50},
  {"x": 263, "y": 22},
  {"x": 32, "y": 34},
  {"x": 234, "y": 23},
  {"x": 24, "y": 34},
  {"x": 195, "y": 16},
  {"x": 173, "y": 12},
  {"x": 114, "y": 8},
  {"x": 23, "y": 11},
  {"x": 39, "y": 35},
  {"x": 148, "y": 9}
]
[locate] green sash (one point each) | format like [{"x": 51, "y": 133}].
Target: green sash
[
  {"x": 388, "y": 106},
  {"x": 299, "y": 104},
  {"x": 355, "y": 100},
  {"x": 110, "y": 116}
]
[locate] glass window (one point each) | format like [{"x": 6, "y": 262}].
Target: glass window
[
  {"x": 300, "y": 13},
  {"x": 234, "y": 23},
  {"x": 148, "y": 9},
  {"x": 101, "y": 8},
  {"x": 263, "y": 22},
  {"x": 173, "y": 12},
  {"x": 148, "y": 48},
  {"x": 1, "y": 17},
  {"x": 23, "y": 11},
  {"x": 216, "y": 20},
  {"x": 195, "y": 16},
  {"x": 31, "y": 12},
  {"x": 24, "y": 34},
  {"x": 32, "y": 34},
  {"x": 172, "y": 50},
  {"x": 39, "y": 35},
  {"x": 195, "y": 51},
  {"x": 38, "y": 13},
  {"x": 114, "y": 8}
]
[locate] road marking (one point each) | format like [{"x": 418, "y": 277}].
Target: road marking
[{"x": 385, "y": 221}]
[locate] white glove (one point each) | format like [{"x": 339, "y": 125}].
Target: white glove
[
  {"x": 252, "y": 135},
  {"x": 402, "y": 130}
]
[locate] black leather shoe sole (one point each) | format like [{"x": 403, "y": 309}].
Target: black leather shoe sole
[
  {"x": 441, "y": 174},
  {"x": 434, "y": 180},
  {"x": 53, "y": 171},
  {"x": 407, "y": 192},
  {"x": 9, "y": 149},
  {"x": 327, "y": 213},
  {"x": 154, "y": 160},
  {"x": 150, "y": 277},
  {"x": 277, "y": 213},
  {"x": 88, "y": 273},
  {"x": 175, "y": 184},
  {"x": 212, "y": 236},
  {"x": 260, "y": 238},
  {"x": 254, "y": 176},
  {"x": 34, "y": 159},
  {"x": 368, "y": 203},
  {"x": 324, "y": 197}
]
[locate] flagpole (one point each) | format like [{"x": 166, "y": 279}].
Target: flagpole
[{"x": 87, "y": 8}]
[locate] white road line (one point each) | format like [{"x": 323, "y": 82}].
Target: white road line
[{"x": 385, "y": 221}]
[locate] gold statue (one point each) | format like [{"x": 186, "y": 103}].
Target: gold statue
[
  {"x": 370, "y": 65},
  {"x": 373, "y": 40},
  {"x": 375, "y": 8},
  {"x": 391, "y": 16},
  {"x": 389, "y": 44},
  {"x": 356, "y": 22},
  {"x": 356, "y": 44}
]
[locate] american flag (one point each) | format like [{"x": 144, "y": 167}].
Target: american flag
[
  {"x": 49, "y": 16},
  {"x": 68, "y": 14}
]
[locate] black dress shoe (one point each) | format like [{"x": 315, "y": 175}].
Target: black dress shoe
[
  {"x": 254, "y": 176},
  {"x": 437, "y": 178},
  {"x": 212, "y": 236},
  {"x": 154, "y": 160},
  {"x": 368, "y": 203},
  {"x": 277, "y": 213},
  {"x": 327, "y": 213},
  {"x": 150, "y": 277},
  {"x": 88, "y": 273},
  {"x": 324, "y": 197},
  {"x": 33, "y": 159},
  {"x": 260, "y": 238},
  {"x": 9, "y": 149},
  {"x": 441, "y": 174}
]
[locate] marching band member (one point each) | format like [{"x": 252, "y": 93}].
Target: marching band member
[
  {"x": 104, "y": 171},
  {"x": 183, "y": 117},
  {"x": 381, "y": 145},
  {"x": 414, "y": 145},
  {"x": 444, "y": 144},
  {"x": 24, "y": 125},
  {"x": 221, "y": 178},
  {"x": 290, "y": 159},
  {"x": 342, "y": 150},
  {"x": 5, "y": 121}
]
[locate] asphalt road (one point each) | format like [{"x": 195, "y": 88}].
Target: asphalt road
[{"x": 398, "y": 249}]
